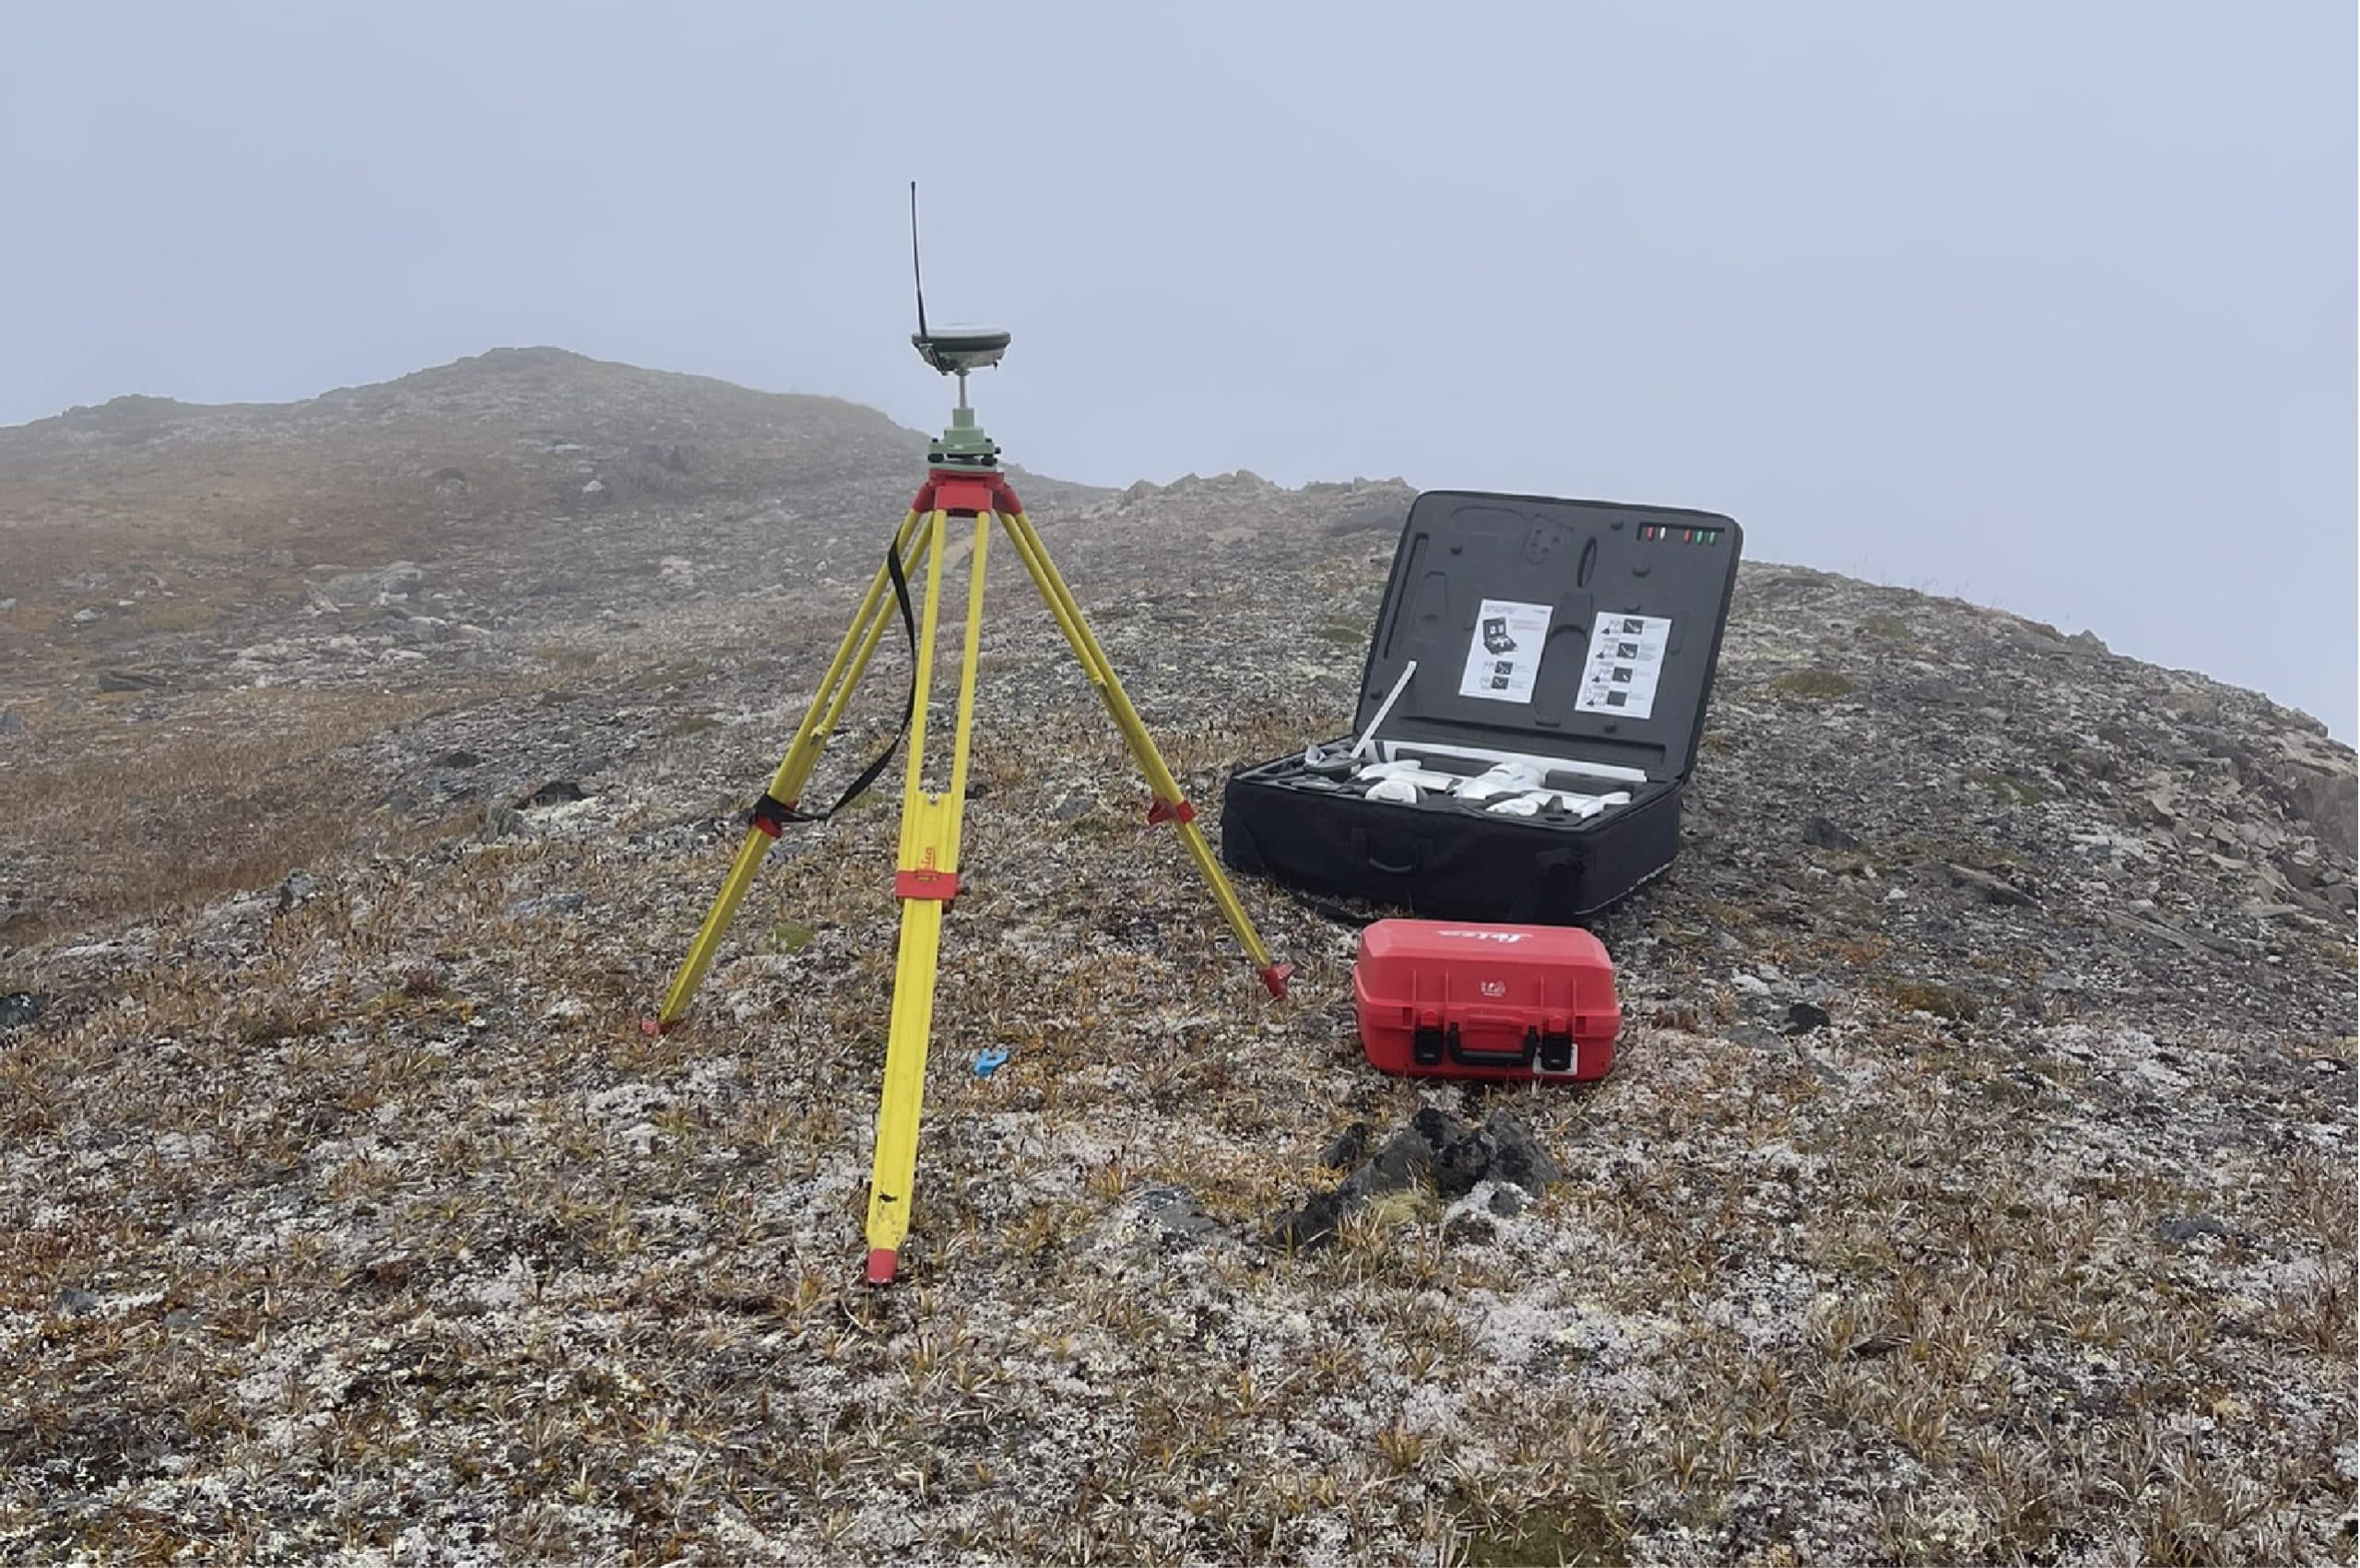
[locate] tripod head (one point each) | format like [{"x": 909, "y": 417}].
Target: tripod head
[{"x": 953, "y": 351}]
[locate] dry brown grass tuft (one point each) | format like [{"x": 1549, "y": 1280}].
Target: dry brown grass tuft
[{"x": 124, "y": 820}]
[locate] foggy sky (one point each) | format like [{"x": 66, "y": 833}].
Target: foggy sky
[{"x": 2046, "y": 306}]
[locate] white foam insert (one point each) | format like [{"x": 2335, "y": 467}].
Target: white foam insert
[{"x": 1404, "y": 749}]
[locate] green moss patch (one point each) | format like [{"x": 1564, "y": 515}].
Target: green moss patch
[{"x": 1813, "y": 684}]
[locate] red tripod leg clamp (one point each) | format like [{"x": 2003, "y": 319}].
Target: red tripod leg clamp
[{"x": 943, "y": 885}]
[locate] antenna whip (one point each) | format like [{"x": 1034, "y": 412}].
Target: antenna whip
[{"x": 917, "y": 276}]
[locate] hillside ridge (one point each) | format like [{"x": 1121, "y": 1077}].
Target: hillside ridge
[{"x": 1974, "y": 1180}]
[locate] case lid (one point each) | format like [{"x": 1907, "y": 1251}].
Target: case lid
[{"x": 1580, "y": 628}]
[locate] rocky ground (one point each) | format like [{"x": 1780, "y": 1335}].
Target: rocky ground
[{"x": 1975, "y": 1181}]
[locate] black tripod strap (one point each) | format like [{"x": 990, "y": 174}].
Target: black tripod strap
[
  {"x": 869, "y": 774},
  {"x": 1328, "y": 910}
]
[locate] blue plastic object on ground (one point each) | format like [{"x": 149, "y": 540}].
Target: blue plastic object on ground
[{"x": 989, "y": 1060}]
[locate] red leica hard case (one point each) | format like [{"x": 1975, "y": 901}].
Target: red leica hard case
[
  {"x": 1439, "y": 999},
  {"x": 1532, "y": 701}
]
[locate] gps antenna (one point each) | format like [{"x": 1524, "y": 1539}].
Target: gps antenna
[
  {"x": 954, "y": 351},
  {"x": 916, "y": 275}
]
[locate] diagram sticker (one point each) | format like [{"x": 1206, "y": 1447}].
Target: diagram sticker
[
  {"x": 1503, "y": 657},
  {"x": 1625, "y": 660}
]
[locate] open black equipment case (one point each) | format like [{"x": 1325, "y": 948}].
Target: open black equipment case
[{"x": 1564, "y": 651}]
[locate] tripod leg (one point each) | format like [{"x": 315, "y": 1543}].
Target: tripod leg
[
  {"x": 926, "y": 882},
  {"x": 820, "y": 720},
  {"x": 1171, "y": 805},
  {"x": 878, "y": 607}
]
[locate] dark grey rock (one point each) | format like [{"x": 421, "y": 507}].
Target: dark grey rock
[
  {"x": 9, "y": 723},
  {"x": 1802, "y": 1017},
  {"x": 1379, "y": 516},
  {"x": 1313, "y": 1225},
  {"x": 1435, "y": 1150},
  {"x": 1458, "y": 1154},
  {"x": 299, "y": 887},
  {"x": 1176, "y": 1210},
  {"x": 2322, "y": 799},
  {"x": 557, "y": 792},
  {"x": 1470, "y": 1229},
  {"x": 1508, "y": 1200},
  {"x": 2188, "y": 1228},
  {"x": 1827, "y": 835},
  {"x": 75, "y": 1302},
  {"x": 1515, "y": 1155},
  {"x": 18, "y": 1008},
  {"x": 361, "y": 587},
  {"x": 2101, "y": 765},
  {"x": 1406, "y": 1159},
  {"x": 1990, "y": 888},
  {"x": 458, "y": 759},
  {"x": 129, "y": 680},
  {"x": 1347, "y": 1147}
]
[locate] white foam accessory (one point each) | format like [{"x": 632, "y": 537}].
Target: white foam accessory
[
  {"x": 1583, "y": 806},
  {"x": 1424, "y": 778},
  {"x": 1384, "y": 707},
  {"x": 1401, "y": 750},
  {"x": 1507, "y": 778}
]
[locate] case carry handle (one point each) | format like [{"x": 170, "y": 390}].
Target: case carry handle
[
  {"x": 1386, "y": 867},
  {"x": 1553, "y": 1052}
]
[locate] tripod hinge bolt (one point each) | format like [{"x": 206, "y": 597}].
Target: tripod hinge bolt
[
  {"x": 1170, "y": 811},
  {"x": 943, "y": 885}
]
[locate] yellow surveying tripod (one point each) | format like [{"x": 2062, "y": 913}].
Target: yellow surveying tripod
[{"x": 964, "y": 481}]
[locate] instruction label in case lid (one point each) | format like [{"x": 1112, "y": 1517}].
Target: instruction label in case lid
[
  {"x": 1504, "y": 656},
  {"x": 1626, "y": 661}
]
